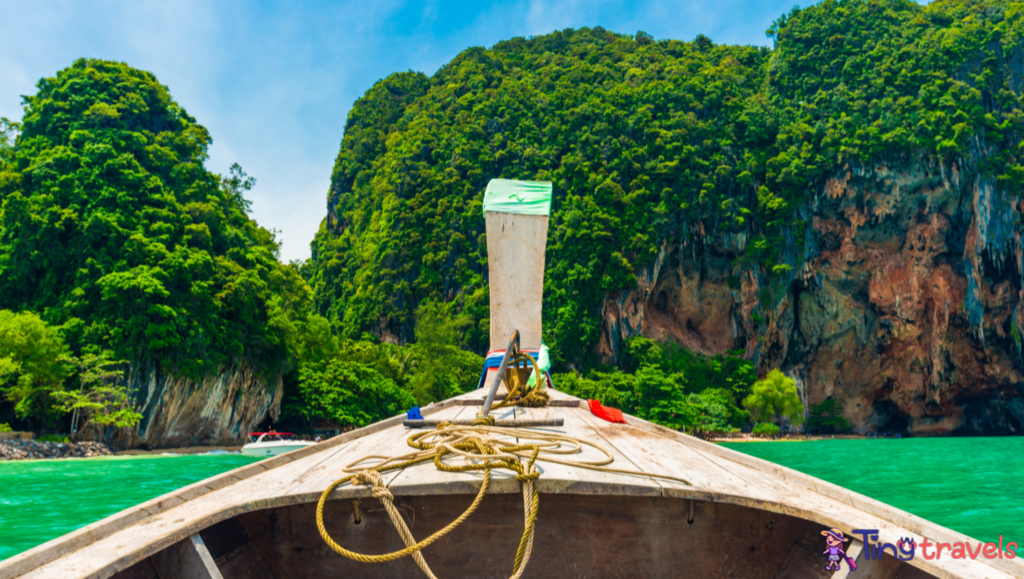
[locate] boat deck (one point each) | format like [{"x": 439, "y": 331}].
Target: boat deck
[{"x": 718, "y": 477}]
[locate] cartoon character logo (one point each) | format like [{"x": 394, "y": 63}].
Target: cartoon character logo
[{"x": 834, "y": 540}]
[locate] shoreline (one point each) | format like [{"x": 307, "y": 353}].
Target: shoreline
[
  {"x": 827, "y": 438},
  {"x": 33, "y": 451},
  {"x": 179, "y": 450}
]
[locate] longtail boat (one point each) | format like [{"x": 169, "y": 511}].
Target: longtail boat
[{"x": 551, "y": 489}]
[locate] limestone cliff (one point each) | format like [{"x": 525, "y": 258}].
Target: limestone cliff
[
  {"x": 907, "y": 307},
  {"x": 219, "y": 410},
  {"x": 843, "y": 206}
]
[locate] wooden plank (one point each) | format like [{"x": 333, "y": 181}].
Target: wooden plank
[
  {"x": 427, "y": 479},
  {"x": 290, "y": 483},
  {"x": 561, "y": 478},
  {"x": 141, "y": 570},
  {"x": 515, "y": 258},
  {"x": 187, "y": 559},
  {"x": 244, "y": 562},
  {"x": 909, "y": 572},
  {"x": 552, "y": 403},
  {"x": 392, "y": 442},
  {"x": 158, "y": 532},
  {"x": 852, "y": 552},
  {"x": 885, "y": 568},
  {"x": 233, "y": 552},
  {"x": 658, "y": 455},
  {"x": 516, "y": 423},
  {"x": 224, "y": 537},
  {"x": 577, "y": 537},
  {"x": 804, "y": 560},
  {"x": 833, "y": 497}
]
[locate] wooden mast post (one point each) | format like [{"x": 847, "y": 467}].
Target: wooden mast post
[{"x": 516, "y": 215}]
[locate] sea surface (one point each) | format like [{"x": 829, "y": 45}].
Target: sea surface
[
  {"x": 44, "y": 499},
  {"x": 971, "y": 485}
]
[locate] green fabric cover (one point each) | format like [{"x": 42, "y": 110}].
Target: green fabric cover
[
  {"x": 522, "y": 197},
  {"x": 543, "y": 360}
]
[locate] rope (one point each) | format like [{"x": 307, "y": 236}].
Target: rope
[
  {"x": 519, "y": 392},
  {"x": 480, "y": 450}
]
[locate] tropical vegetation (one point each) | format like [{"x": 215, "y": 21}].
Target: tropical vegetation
[
  {"x": 775, "y": 399},
  {"x": 827, "y": 417},
  {"x": 121, "y": 252},
  {"x": 652, "y": 143}
]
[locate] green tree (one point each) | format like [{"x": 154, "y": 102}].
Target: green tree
[
  {"x": 716, "y": 411},
  {"x": 775, "y": 398},
  {"x": 8, "y": 135},
  {"x": 671, "y": 386},
  {"x": 442, "y": 369},
  {"x": 349, "y": 393},
  {"x": 112, "y": 227},
  {"x": 661, "y": 398},
  {"x": 766, "y": 429},
  {"x": 34, "y": 362},
  {"x": 827, "y": 416},
  {"x": 98, "y": 399}
]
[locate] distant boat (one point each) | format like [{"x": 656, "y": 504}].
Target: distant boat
[
  {"x": 272, "y": 443},
  {"x": 676, "y": 506}
]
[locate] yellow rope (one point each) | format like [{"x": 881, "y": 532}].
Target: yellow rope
[
  {"x": 481, "y": 451},
  {"x": 519, "y": 392}
]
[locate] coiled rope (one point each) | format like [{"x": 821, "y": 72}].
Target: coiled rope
[
  {"x": 519, "y": 392},
  {"x": 480, "y": 450}
]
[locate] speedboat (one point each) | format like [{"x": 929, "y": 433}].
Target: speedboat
[{"x": 272, "y": 443}]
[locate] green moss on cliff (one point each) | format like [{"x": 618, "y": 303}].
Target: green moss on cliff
[{"x": 650, "y": 143}]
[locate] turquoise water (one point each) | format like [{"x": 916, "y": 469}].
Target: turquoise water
[
  {"x": 44, "y": 499},
  {"x": 971, "y": 485}
]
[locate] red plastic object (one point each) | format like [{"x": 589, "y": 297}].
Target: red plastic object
[{"x": 609, "y": 414}]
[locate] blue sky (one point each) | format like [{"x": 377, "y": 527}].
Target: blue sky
[{"x": 274, "y": 81}]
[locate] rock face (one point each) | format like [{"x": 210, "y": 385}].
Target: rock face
[
  {"x": 906, "y": 307},
  {"x": 219, "y": 410},
  {"x": 32, "y": 450}
]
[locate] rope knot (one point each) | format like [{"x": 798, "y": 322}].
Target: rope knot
[
  {"x": 372, "y": 477},
  {"x": 482, "y": 420},
  {"x": 527, "y": 476},
  {"x": 367, "y": 477}
]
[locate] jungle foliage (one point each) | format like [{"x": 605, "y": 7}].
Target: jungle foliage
[
  {"x": 118, "y": 244},
  {"x": 827, "y": 417},
  {"x": 651, "y": 142},
  {"x": 113, "y": 230},
  {"x": 774, "y": 399},
  {"x": 357, "y": 382},
  {"x": 117, "y": 236},
  {"x": 671, "y": 386},
  {"x": 37, "y": 367}
]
